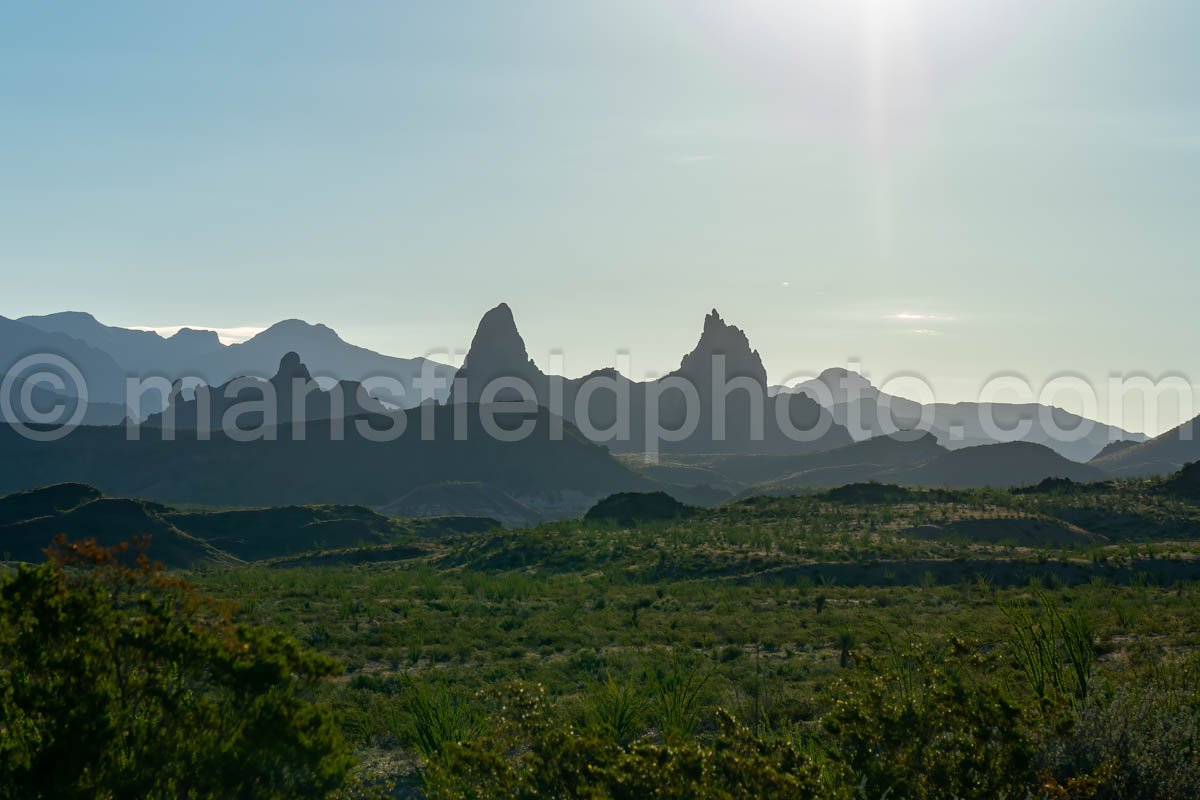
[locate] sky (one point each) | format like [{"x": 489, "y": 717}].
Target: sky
[{"x": 931, "y": 188}]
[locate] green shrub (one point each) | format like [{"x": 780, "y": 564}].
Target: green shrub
[
  {"x": 925, "y": 723},
  {"x": 527, "y": 761},
  {"x": 1055, "y": 650},
  {"x": 117, "y": 681},
  {"x": 437, "y": 718},
  {"x": 677, "y": 693},
  {"x": 1136, "y": 740},
  {"x": 616, "y": 711}
]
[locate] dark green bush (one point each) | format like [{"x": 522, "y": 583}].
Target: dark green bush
[
  {"x": 925, "y": 723},
  {"x": 119, "y": 682}
]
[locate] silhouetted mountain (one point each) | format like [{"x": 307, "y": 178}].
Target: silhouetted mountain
[
  {"x": 837, "y": 387},
  {"x": 45, "y": 501},
  {"x": 326, "y": 354},
  {"x": 1161, "y": 455},
  {"x": 997, "y": 465},
  {"x": 370, "y": 460},
  {"x": 884, "y": 458},
  {"x": 140, "y": 353},
  {"x": 719, "y": 340},
  {"x": 465, "y": 499},
  {"x": 859, "y": 462},
  {"x": 631, "y": 508},
  {"x": 1185, "y": 483},
  {"x": 110, "y": 521},
  {"x": 908, "y": 459},
  {"x": 103, "y": 377},
  {"x": 498, "y": 351},
  {"x": 261, "y": 533},
  {"x": 853, "y": 494},
  {"x": 29, "y": 521},
  {"x": 296, "y": 396},
  {"x": 1114, "y": 448},
  {"x": 201, "y": 357},
  {"x": 865, "y": 412}
]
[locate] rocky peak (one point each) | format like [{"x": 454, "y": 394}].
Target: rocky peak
[
  {"x": 291, "y": 368},
  {"x": 722, "y": 339},
  {"x": 497, "y": 344},
  {"x": 298, "y": 328}
]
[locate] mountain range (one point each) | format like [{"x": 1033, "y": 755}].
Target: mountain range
[
  {"x": 543, "y": 476},
  {"x": 1161, "y": 455},
  {"x": 293, "y": 390},
  {"x": 656, "y": 409},
  {"x": 866, "y": 411},
  {"x": 374, "y": 459},
  {"x": 202, "y": 357},
  {"x": 837, "y": 399},
  {"x": 908, "y": 458}
]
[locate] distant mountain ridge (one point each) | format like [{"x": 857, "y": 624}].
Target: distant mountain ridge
[
  {"x": 594, "y": 402},
  {"x": 137, "y": 352},
  {"x": 290, "y": 394},
  {"x": 374, "y": 458},
  {"x": 200, "y": 355},
  {"x": 1161, "y": 455},
  {"x": 103, "y": 377},
  {"x": 844, "y": 402},
  {"x": 866, "y": 411},
  {"x": 908, "y": 458}
]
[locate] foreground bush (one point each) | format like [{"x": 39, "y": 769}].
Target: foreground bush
[
  {"x": 1138, "y": 739},
  {"x": 528, "y": 755},
  {"x": 919, "y": 723},
  {"x": 117, "y": 681},
  {"x": 923, "y": 723}
]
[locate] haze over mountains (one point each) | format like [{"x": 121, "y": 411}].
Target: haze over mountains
[
  {"x": 373, "y": 460},
  {"x": 866, "y": 411},
  {"x": 594, "y": 402},
  {"x": 292, "y": 391},
  {"x": 201, "y": 355},
  {"x": 106, "y": 355},
  {"x": 1159, "y": 456},
  {"x": 745, "y": 438}
]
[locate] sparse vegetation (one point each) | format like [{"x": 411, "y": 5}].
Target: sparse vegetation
[{"x": 774, "y": 646}]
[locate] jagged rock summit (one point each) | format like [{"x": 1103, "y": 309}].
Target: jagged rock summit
[
  {"x": 498, "y": 351},
  {"x": 497, "y": 342},
  {"x": 292, "y": 388},
  {"x": 722, "y": 339}
]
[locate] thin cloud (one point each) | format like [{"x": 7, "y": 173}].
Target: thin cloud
[
  {"x": 916, "y": 316},
  {"x": 226, "y": 335}
]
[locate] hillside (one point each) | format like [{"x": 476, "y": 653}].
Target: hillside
[
  {"x": 29, "y": 521},
  {"x": 867, "y": 412},
  {"x": 110, "y": 521},
  {"x": 997, "y": 465},
  {"x": 910, "y": 459},
  {"x": 201, "y": 356},
  {"x": 322, "y": 462},
  {"x": 103, "y": 376},
  {"x": 45, "y": 501},
  {"x": 465, "y": 499},
  {"x": 1159, "y": 456}
]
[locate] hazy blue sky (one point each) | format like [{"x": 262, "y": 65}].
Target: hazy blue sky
[{"x": 949, "y": 188}]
